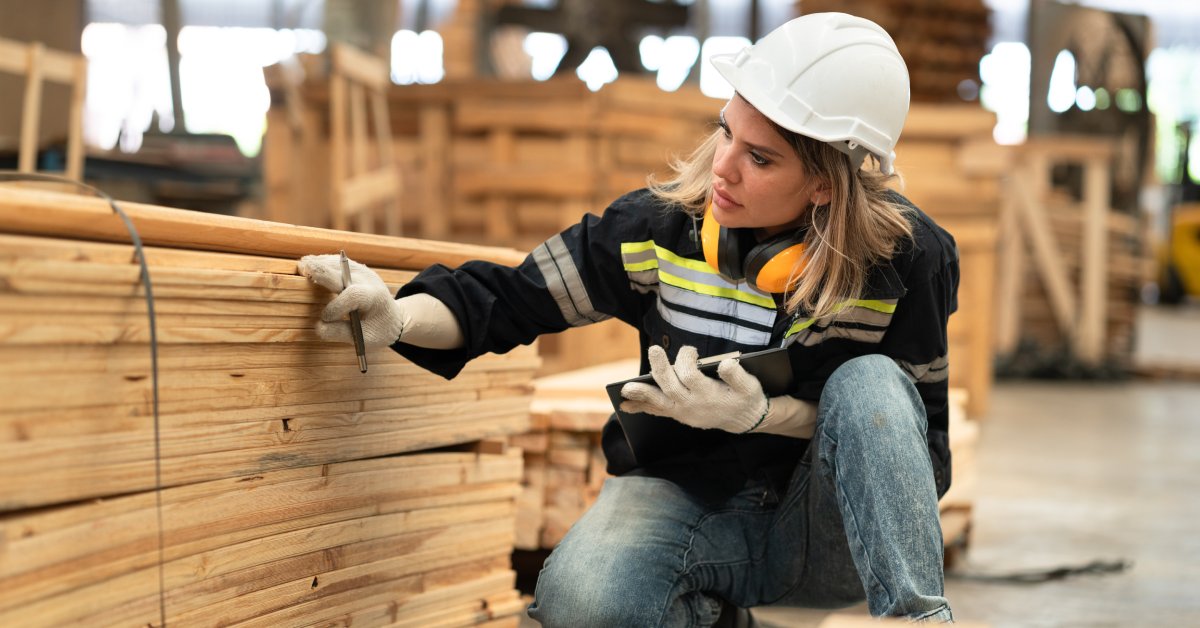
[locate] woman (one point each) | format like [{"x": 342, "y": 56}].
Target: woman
[{"x": 777, "y": 231}]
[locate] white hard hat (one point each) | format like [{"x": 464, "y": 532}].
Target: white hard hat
[{"x": 833, "y": 77}]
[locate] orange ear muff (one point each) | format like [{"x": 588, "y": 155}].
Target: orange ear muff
[
  {"x": 725, "y": 249},
  {"x": 773, "y": 265}
]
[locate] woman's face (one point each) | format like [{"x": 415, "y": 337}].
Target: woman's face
[{"x": 758, "y": 179}]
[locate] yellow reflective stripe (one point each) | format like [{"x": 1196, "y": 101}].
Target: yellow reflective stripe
[
  {"x": 714, "y": 291},
  {"x": 700, "y": 266},
  {"x": 870, "y": 304},
  {"x": 798, "y": 327},
  {"x": 690, "y": 264},
  {"x": 649, "y": 264},
  {"x": 636, "y": 247}
]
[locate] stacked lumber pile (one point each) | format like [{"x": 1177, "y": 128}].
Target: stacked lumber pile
[
  {"x": 275, "y": 485},
  {"x": 953, "y": 170},
  {"x": 942, "y": 41},
  {"x": 565, "y": 467},
  {"x": 498, "y": 163},
  {"x": 564, "y": 464}
]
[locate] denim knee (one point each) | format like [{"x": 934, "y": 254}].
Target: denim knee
[
  {"x": 872, "y": 391},
  {"x": 576, "y": 590}
]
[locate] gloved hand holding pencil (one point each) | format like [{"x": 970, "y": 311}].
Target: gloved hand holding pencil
[{"x": 418, "y": 319}]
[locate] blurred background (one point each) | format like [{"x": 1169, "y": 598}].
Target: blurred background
[{"x": 1055, "y": 140}]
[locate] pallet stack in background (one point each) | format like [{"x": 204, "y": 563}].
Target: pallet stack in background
[
  {"x": 941, "y": 41},
  {"x": 277, "y": 485}
]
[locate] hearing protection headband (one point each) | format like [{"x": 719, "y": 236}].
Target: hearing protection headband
[{"x": 772, "y": 265}]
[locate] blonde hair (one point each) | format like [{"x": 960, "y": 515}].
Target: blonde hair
[{"x": 861, "y": 225}]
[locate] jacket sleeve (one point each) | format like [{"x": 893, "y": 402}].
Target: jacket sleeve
[{"x": 574, "y": 278}]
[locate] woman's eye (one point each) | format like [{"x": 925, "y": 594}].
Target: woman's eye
[{"x": 759, "y": 159}]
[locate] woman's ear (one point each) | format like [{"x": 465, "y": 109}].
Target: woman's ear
[{"x": 822, "y": 194}]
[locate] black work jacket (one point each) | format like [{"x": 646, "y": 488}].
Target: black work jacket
[{"x": 642, "y": 263}]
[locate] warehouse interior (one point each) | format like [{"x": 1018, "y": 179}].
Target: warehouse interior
[{"x": 179, "y": 448}]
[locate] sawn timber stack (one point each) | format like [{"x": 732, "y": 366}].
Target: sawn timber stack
[{"x": 281, "y": 486}]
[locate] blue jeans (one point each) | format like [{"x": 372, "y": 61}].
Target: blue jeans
[{"x": 859, "y": 520}]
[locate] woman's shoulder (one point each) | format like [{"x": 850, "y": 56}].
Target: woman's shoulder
[
  {"x": 930, "y": 247},
  {"x": 644, "y": 208}
]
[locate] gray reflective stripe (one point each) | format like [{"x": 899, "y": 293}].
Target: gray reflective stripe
[
  {"x": 565, "y": 285},
  {"x": 933, "y": 372},
  {"x": 643, "y": 279},
  {"x": 809, "y": 337},
  {"x": 714, "y": 328},
  {"x": 637, "y": 257},
  {"x": 864, "y": 316},
  {"x": 717, "y": 305},
  {"x": 714, "y": 279}
]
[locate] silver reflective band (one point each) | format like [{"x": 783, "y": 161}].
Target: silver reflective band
[
  {"x": 808, "y": 337},
  {"x": 564, "y": 283},
  {"x": 930, "y": 373}
]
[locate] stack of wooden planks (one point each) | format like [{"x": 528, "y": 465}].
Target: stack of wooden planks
[
  {"x": 941, "y": 41},
  {"x": 564, "y": 464},
  {"x": 565, "y": 467},
  {"x": 275, "y": 485}
]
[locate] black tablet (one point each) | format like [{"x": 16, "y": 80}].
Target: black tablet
[{"x": 653, "y": 438}]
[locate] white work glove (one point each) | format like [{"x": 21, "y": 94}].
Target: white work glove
[
  {"x": 418, "y": 319},
  {"x": 735, "y": 403}
]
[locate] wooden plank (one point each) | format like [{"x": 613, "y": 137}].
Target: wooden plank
[
  {"x": 36, "y": 212},
  {"x": 1036, "y": 227},
  {"x": 948, "y": 121},
  {"x": 370, "y": 189},
  {"x": 1093, "y": 284},
  {"x": 434, "y": 147},
  {"x": 78, "y": 80},
  {"x": 527, "y": 180},
  {"x": 31, "y": 110},
  {"x": 360, "y": 67},
  {"x": 545, "y": 116},
  {"x": 61, "y": 549}
]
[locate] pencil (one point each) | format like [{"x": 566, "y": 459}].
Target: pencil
[{"x": 355, "y": 322}]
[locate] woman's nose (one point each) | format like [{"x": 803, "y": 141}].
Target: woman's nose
[{"x": 723, "y": 167}]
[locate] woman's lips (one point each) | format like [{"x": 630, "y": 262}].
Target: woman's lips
[{"x": 723, "y": 200}]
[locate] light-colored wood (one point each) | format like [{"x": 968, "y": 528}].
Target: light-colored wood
[
  {"x": 32, "y": 108},
  {"x": 38, "y": 64},
  {"x": 976, "y": 241},
  {"x": 434, "y": 139},
  {"x": 361, "y": 67},
  {"x": 1049, "y": 265},
  {"x": 1009, "y": 278},
  {"x": 1087, "y": 264},
  {"x": 442, "y": 519},
  {"x": 271, "y": 483},
  {"x": 35, "y": 212},
  {"x": 363, "y": 195},
  {"x": 1094, "y": 261}
]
